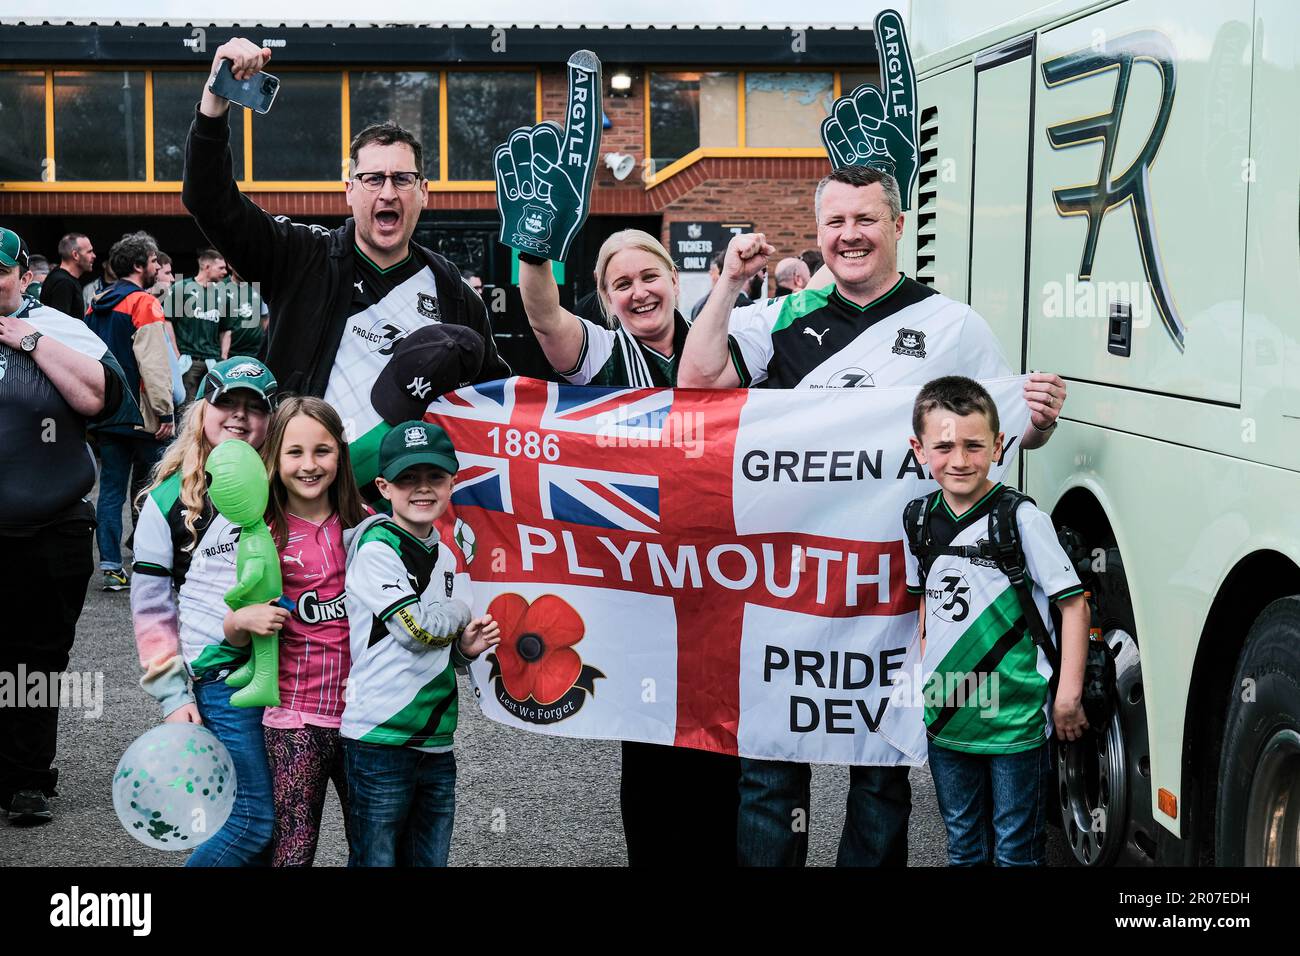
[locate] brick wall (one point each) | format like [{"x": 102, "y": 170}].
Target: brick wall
[
  {"x": 625, "y": 135},
  {"x": 776, "y": 195}
]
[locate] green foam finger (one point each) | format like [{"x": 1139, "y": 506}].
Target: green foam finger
[
  {"x": 521, "y": 154},
  {"x": 870, "y": 107},
  {"x": 545, "y": 173},
  {"x": 507, "y": 178},
  {"x": 837, "y": 145},
  {"x": 546, "y": 149},
  {"x": 582, "y": 115},
  {"x": 897, "y": 76},
  {"x": 898, "y": 81}
]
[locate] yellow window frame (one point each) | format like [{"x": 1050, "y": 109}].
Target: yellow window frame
[
  {"x": 151, "y": 185},
  {"x": 653, "y": 178}
]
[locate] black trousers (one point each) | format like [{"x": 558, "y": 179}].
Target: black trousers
[
  {"x": 679, "y": 806},
  {"x": 43, "y": 582}
]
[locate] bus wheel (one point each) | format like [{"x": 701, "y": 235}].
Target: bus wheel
[
  {"x": 1104, "y": 780},
  {"x": 1258, "y": 808},
  {"x": 1096, "y": 775}
]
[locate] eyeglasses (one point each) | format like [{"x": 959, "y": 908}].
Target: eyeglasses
[{"x": 375, "y": 181}]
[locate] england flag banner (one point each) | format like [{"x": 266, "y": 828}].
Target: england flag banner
[{"x": 718, "y": 569}]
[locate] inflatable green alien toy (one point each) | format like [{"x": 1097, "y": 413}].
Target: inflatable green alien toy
[{"x": 237, "y": 486}]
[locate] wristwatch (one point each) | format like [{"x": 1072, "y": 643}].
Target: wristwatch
[
  {"x": 1055, "y": 422},
  {"x": 28, "y": 342}
]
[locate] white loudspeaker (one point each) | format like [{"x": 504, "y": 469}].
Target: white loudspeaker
[{"x": 620, "y": 164}]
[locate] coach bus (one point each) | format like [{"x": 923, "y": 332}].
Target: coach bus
[{"x": 1114, "y": 186}]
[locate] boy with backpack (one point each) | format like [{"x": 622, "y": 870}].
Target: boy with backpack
[{"x": 986, "y": 563}]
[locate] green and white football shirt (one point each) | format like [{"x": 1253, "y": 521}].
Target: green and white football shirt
[
  {"x": 616, "y": 358},
  {"x": 407, "y": 602},
  {"x": 387, "y": 305},
  {"x": 985, "y": 682},
  {"x": 816, "y": 338},
  {"x": 201, "y": 573}
]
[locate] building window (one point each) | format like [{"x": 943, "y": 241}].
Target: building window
[
  {"x": 22, "y": 117},
  {"x": 408, "y": 99},
  {"x": 301, "y": 139},
  {"x": 99, "y": 125},
  {"x": 850, "y": 80},
  {"x": 482, "y": 110},
  {"x": 786, "y": 109},
  {"x": 690, "y": 110},
  {"x": 174, "y": 97}
]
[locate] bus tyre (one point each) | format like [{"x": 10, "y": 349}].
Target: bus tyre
[{"x": 1258, "y": 807}]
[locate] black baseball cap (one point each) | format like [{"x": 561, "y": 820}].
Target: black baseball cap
[
  {"x": 429, "y": 362},
  {"x": 416, "y": 443}
]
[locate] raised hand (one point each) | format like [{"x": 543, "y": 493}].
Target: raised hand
[
  {"x": 746, "y": 256},
  {"x": 246, "y": 59},
  {"x": 544, "y": 173},
  {"x": 871, "y": 127}
]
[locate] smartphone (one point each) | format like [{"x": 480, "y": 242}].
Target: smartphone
[{"x": 256, "y": 93}]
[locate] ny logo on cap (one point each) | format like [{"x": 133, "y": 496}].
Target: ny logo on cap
[
  {"x": 419, "y": 387},
  {"x": 416, "y": 436}
]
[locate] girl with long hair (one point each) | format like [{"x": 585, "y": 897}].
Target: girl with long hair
[{"x": 313, "y": 500}]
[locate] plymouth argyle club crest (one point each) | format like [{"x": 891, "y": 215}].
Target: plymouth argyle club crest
[
  {"x": 427, "y": 306},
  {"x": 909, "y": 342},
  {"x": 536, "y": 674},
  {"x": 537, "y": 222}
]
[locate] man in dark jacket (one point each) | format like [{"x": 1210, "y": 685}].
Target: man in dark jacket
[
  {"x": 61, "y": 289},
  {"x": 130, "y": 321},
  {"x": 56, "y": 378},
  {"x": 344, "y": 299}
]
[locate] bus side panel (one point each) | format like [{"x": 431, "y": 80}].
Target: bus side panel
[
  {"x": 1271, "y": 364},
  {"x": 1139, "y": 199},
  {"x": 997, "y": 270},
  {"x": 1178, "y": 549}
]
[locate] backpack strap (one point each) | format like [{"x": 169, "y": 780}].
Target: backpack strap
[
  {"x": 916, "y": 525},
  {"x": 1005, "y": 548}
]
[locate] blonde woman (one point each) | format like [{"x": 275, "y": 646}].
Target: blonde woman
[
  {"x": 679, "y": 805},
  {"x": 638, "y": 289}
]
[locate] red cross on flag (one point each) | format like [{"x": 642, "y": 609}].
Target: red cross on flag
[{"x": 713, "y": 569}]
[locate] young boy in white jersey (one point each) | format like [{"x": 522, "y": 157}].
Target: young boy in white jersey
[
  {"x": 408, "y": 610},
  {"x": 986, "y": 681}
]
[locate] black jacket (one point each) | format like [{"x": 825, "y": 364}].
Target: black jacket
[
  {"x": 62, "y": 291},
  {"x": 305, "y": 271}
]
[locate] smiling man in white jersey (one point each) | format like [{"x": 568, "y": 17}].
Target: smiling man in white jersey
[{"x": 872, "y": 327}]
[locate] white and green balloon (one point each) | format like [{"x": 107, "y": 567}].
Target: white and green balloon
[{"x": 174, "y": 787}]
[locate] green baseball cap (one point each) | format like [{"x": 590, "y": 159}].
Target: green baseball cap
[
  {"x": 416, "y": 443},
  {"x": 12, "y": 250},
  {"x": 240, "y": 371}
]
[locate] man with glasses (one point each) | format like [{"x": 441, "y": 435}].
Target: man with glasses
[{"x": 344, "y": 299}]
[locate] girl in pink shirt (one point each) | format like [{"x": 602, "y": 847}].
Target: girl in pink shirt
[{"x": 314, "y": 498}]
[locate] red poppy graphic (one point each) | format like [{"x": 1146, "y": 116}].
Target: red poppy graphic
[{"x": 536, "y": 651}]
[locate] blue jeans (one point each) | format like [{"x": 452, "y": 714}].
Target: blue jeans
[
  {"x": 245, "y": 840},
  {"x": 403, "y": 804},
  {"x": 993, "y": 805},
  {"x": 772, "y": 829},
  {"x": 120, "y": 457}
]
